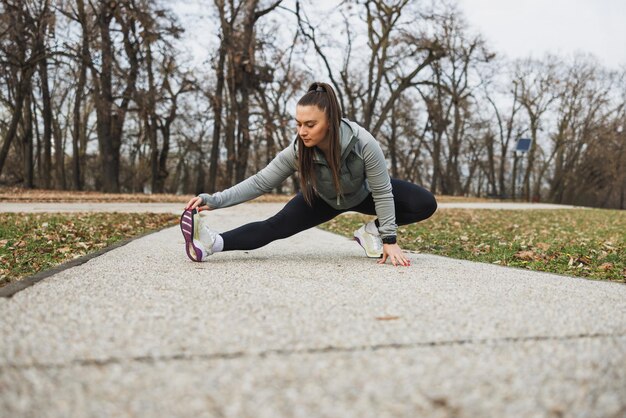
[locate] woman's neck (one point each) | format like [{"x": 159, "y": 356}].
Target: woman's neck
[{"x": 324, "y": 146}]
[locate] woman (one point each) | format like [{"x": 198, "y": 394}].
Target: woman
[{"x": 341, "y": 168}]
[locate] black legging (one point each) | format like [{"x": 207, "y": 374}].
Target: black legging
[{"x": 412, "y": 203}]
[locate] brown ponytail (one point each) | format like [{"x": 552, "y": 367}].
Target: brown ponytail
[{"x": 323, "y": 96}]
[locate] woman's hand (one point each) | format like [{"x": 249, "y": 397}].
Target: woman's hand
[
  {"x": 195, "y": 203},
  {"x": 394, "y": 252}
]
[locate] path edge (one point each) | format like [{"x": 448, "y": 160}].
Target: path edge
[{"x": 12, "y": 288}]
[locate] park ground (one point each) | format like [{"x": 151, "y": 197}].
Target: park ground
[
  {"x": 308, "y": 327},
  {"x": 579, "y": 242}
]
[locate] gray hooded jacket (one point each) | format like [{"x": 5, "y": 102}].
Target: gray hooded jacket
[{"x": 363, "y": 171}]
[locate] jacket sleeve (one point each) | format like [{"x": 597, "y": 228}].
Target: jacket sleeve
[
  {"x": 276, "y": 172},
  {"x": 379, "y": 183}
]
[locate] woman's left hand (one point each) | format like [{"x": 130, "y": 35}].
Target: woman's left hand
[{"x": 394, "y": 252}]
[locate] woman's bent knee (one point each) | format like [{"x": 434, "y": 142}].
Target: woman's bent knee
[
  {"x": 414, "y": 205},
  {"x": 430, "y": 205}
]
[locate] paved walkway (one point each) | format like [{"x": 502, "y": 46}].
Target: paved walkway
[{"x": 308, "y": 327}]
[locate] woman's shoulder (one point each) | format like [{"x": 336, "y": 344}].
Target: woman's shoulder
[{"x": 359, "y": 131}]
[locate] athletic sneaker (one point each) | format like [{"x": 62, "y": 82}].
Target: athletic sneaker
[
  {"x": 199, "y": 238},
  {"x": 371, "y": 242}
]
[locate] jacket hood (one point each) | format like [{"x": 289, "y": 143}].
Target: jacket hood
[{"x": 348, "y": 131}]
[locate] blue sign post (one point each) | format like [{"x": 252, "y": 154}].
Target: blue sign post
[{"x": 522, "y": 147}]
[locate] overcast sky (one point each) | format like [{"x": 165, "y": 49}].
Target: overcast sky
[
  {"x": 515, "y": 28},
  {"x": 519, "y": 28}
]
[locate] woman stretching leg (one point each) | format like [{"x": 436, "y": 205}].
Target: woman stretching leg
[{"x": 341, "y": 168}]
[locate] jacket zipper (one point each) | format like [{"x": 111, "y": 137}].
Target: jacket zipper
[{"x": 343, "y": 157}]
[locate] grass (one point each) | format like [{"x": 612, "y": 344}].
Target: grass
[
  {"x": 584, "y": 243},
  {"x": 30, "y": 243}
]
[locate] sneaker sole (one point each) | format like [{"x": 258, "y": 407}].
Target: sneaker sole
[
  {"x": 186, "y": 227},
  {"x": 364, "y": 249}
]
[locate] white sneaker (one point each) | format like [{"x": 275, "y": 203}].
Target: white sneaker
[
  {"x": 206, "y": 236},
  {"x": 372, "y": 243},
  {"x": 199, "y": 238}
]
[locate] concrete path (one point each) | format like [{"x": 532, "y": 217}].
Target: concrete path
[
  {"x": 176, "y": 207},
  {"x": 308, "y": 327}
]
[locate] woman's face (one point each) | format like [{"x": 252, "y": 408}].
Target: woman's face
[{"x": 312, "y": 126}]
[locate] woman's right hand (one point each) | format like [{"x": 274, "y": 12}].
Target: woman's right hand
[{"x": 195, "y": 203}]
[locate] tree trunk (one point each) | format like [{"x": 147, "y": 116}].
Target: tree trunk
[
  {"x": 491, "y": 172},
  {"x": 514, "y": 177},
  {"x": 243, "y": 143},
  {"x": 78, "y": 100},
  {"x": 59, "y": 156},
  {"x": 104, "y": 101},
  {"x": 110, "y": 123},
  {"x": 199, "y": 186},
  {"x": 162, "y": 172},
  {"x": 27, "y": 144},
  {"x": 245, "y": 65},
  {"x": 217, "y": 120},
  {"x": 21, "y": 93},
  {"x": 37, "y": 141},
  {"x": 530, "y": 160},
  {"x": 47, "y": 124},
  {"x": 392, "y": 146},
  {"x": 436, "y": 155},
  {"x": 229, "y": 138},
  {"x": 150, "y": 124}
]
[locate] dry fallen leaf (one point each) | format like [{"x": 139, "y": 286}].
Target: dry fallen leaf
[
  {"x": 608, "y": 245},
  {"x": 542, "y": 246},
  {"x": 606, "y": 266},
  {"x": 387, "y": 318},
  {"x": 526, "y": 255}
]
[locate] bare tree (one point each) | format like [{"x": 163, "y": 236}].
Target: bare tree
[
  {"x": 450, "y": 102},
  {"x": 507, "y": 129},
  {"x": 536, "y": 81},
  {"x": 581, "y": 109},
  {"x": 396, "y": 58},
  {"x": 111, "y": 105},
  {"x": 239, "y": 42},
  {"x": 24, "y": 26}
]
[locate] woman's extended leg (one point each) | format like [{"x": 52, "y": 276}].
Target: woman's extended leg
[
  {"x": 295, "y": 217},
  {"x": 413, "y": 203}
]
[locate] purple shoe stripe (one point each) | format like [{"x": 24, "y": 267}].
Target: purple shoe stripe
[{"x": 193, "y": 252}]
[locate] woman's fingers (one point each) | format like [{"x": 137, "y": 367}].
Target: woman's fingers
[
  {"x": 396, "y": 255},
  {"x": 193, "y": 203},
  {"x": 402, "y": 259}
]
